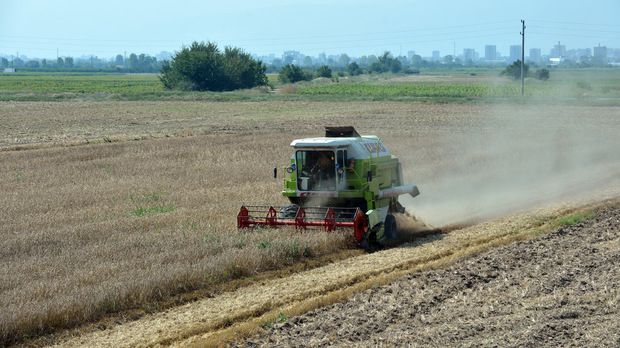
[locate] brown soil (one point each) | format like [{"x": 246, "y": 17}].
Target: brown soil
[{"x": 557, "y": 290}]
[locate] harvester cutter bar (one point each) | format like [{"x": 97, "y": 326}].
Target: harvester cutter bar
[{"x": 326, "y": 217}]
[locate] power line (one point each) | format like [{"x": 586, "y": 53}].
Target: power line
[
  {"x": 302, "y": 37},
  {"x": 575, "y": 23},
  {"x": 522, "y": 57},
  {"x": 311, "y": 45}
]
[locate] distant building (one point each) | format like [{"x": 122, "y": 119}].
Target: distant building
[
  {"x": 436, "y": 56},
  {"x": 469, "y": 55},
  {"x": 9, "y": 70},
  {"x": 553, "y": 61},
  {"x": 579, "y": 54},
  {"x": 292, "y": 57},
  {"x": 490, "y": 52},
  {"x": 558, "y": 50},
  {"x": 515, "y": 53},
  {"x": 600, "y": 52},
  {"x": 410, "y": 55},
  {"x": 535, "y": 55}
]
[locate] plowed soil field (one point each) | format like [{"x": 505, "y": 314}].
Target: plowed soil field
[{"x": 558, "y": 290}]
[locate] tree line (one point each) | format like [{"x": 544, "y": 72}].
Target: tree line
[{"x": 138, "y": 63}]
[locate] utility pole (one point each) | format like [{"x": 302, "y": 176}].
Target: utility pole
[{"x": 522, "y": 57}]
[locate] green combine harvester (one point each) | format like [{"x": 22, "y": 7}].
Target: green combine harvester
[{"x": 341, "y": 181}]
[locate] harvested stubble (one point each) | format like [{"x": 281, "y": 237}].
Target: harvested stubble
[{"x": 74, "y": 246}]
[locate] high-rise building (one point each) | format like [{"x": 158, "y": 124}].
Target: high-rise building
[
  {"x": 558, "y": 50},
  {"x": 490, "y": 52},
  {"x": 436, "y": 55},
  {"x": 469, "y": 55},
  {"x": 515, "y": 53},
  {"x": 600, "y": 52},
  {"x": 535, "y": 55}
]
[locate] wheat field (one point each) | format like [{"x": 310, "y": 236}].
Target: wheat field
[
  {"x": 96, "y": 229},
  {"x": 93, "y": 222}
]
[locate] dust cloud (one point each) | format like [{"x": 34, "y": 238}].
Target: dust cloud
[{"x": 517, "y": 157}]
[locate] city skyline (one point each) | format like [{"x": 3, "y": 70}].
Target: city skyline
[
  {"x": 479, "y": 54},
  {"x": 36, "y": 28}
]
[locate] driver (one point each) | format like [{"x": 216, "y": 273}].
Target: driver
[{"x": 324, "y": 167}]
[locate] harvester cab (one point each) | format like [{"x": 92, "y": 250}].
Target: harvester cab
[{"x": 341, "y": 180}]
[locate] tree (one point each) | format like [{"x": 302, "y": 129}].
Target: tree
[
  {"x": 119, "y": 60},
  {"x": 353, "y": 69},
  {"x": 343, "y": 60},
  {"x": 324, "y": 71},
  {"x": 69, "y": 62},
  {"x": 203, "y": 67},
  {"x": 307, "y": 61},
  {"x": 4, "y": 62},
  {"x": 18, "y": 62},
  {"x": 514, "y": 70},
  {"x": 291, "y": 73},
  {"x": 32, "y": 64},
  {"x": 241, "y": 70},
  {"x": 60, "y": 62},
  {"x": 133, "y": 62},
  {"x": 416, "y": 60},
  {"x": 542, "y": 74},
  {"x": 386, "y": 63}
]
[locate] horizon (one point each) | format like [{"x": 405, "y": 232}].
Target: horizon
[{"x": 39, "y": 29}]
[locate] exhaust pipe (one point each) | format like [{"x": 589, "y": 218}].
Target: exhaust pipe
[{"x": 399, "y": 190}]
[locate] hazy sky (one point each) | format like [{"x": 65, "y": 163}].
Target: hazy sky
[{"x": 37, "y": 28}]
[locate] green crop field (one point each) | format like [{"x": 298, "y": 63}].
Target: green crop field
[
  {"x": 102, "y": 83},
  {"x": 595, "y": 85},
  {"x": 581, "y": 84}
]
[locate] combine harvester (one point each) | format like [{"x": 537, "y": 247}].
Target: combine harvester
[{"x": 341, "y": 181}]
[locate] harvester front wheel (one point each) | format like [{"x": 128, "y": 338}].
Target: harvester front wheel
[{"x": 390, "y": 227}]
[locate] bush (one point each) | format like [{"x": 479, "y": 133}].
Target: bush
[
  {"x": 291, "y": 73},
  {"x": 203, "y": 67},
  {"x": 514, "y": 70},
  {"x": 353, "y": 69},
  {"x": 386, "y": 63},
  {"x": 542, "y": 74},
  {"x": 324, "y": 71}
]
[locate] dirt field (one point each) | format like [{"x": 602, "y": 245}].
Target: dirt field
[
  {"x": 97, "y": 228},
  {"x": 560, "y": 290}
]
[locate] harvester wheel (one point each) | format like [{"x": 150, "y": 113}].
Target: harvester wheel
[
  {"x": 370, "y": 242},
  {"x": 390, "y": 227},
  {"x": 288, "y": 212}
]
